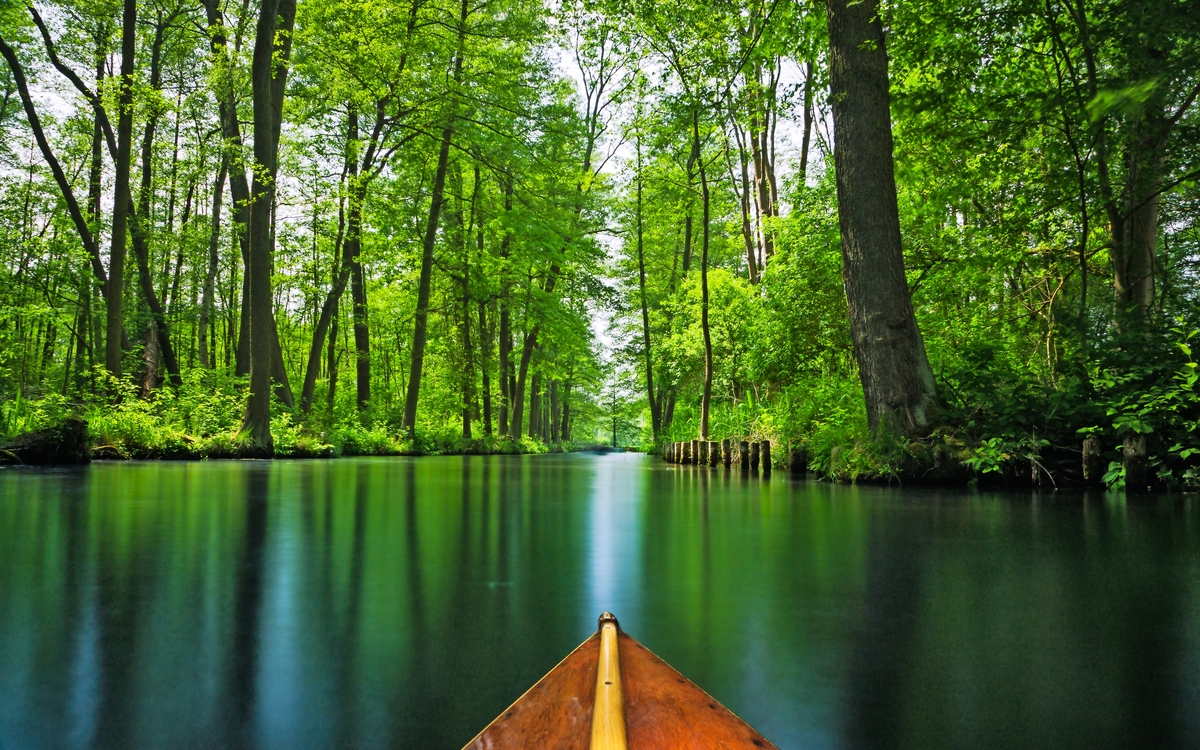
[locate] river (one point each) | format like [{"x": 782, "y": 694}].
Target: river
[{"x": 403, "y": 603}]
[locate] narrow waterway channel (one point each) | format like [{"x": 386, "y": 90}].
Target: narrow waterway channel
[{"x": 402, "y": 603}]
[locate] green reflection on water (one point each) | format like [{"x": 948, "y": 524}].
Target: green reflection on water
[{"x": 404, "y": 603}]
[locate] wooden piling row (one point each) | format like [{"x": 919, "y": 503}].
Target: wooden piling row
[{"x": 749, "y": 455}]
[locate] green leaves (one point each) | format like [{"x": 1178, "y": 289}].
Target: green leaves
[{"x": 1125, "y": 100}]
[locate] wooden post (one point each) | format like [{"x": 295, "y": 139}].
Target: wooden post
[
  {"x": 1093, "y": 462},
  {"x": 1134, "y": 457},
  {"x": 727, "y": 452},
  {"x": 744, "y": 455},
  {"x": 798, "y": 461},
  {"x": 687, "y": 452},
  {"x": 766, "y": 457},
  {"x": 714, "y": 453},
  {"x": 754, "y": 447},
  {"x": 676, "y": 452},
  {"x": 696, "y": 453}
]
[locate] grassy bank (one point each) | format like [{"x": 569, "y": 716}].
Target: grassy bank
[{"x": 202, "y": 420}]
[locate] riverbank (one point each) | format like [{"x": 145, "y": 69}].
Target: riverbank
[
  {"x": 941, "y": 459},
  {"x": 50, "y": 431},
  {"x": 73, "y": 441}
]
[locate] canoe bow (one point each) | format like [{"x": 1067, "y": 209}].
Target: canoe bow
[{"x": 647, "y": 706}]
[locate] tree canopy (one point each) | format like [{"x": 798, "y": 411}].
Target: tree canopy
[{"x": 424, "y": 225}]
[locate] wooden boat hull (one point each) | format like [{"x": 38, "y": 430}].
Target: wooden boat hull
[{"x": 663, "y": 710}]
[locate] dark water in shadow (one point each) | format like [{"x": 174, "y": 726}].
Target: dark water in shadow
[{"x": 403, "y": 603}]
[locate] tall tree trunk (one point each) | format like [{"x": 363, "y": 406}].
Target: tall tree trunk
[
  {"x": 554, "y": 412},
  {"x": 460, "y": 242},
  {"x": 505, "y": 354},
  {"x": 706, "y": 398},
  {"x": 1133, "y": 210},
  {"x": 505, "y": 370},
  {"x": 239, "y": 185},
  {"x": 121, "y": 191},
  {"x": 167, "y": 299},
  {"x": 1133, "y": 258},
  {"x": 362, "y": 330},
  {"x": 808, "y": 121},
  {"x": 185, "y": 217},
  {"x": 331, "y": 360},
  {"x": 485, "y": 333},
  {"x": 897, "y": 381},
  {"x": 535, "y": 405},
  {"x": 747, "y": 227},
  {"x": 485, "y": 350},
  {"x": 654, "y": 413},
  {"x": 214, "y": 259},
  {"x": 272, "y": 47},
  {"x": 759, "y": 132},
  {"x": 564, "y": 430},
  {"x": 241, "y": 357},
  {"x": 421, "y": 322},
  {"x": 693, "y": 155},
  {"x": 469, "y": 370},
  {"x": 150, "y": 355},
  {"x": 160, "y": 343},
  {"x": 517, "y": 417},
  {"x": 420, "y": 326},
  {"x": 1135, "y": 218},
  {"x": 95, "y": 189},
  {"x": 341, "y": 271},
  {"x": 358, "y": 288}
]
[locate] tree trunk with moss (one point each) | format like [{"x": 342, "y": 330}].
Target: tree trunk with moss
[{"x": 896, "y": 377}]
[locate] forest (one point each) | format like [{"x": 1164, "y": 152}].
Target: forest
[{"x": 936, "y": 240}]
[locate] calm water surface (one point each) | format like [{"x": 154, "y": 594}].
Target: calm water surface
[{"x": 396, "y": 603}]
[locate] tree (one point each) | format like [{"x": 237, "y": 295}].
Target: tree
[
  {"x": 272, "y": 46},
  {"x": 897, "y": 380},
  {"x": 420, "y": 330},
  {"x": 121, "y": 192}
]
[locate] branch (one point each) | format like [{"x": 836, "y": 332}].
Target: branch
[
  {"x": 81, "y": 225},
  {"x": 1183, "y": 108},
  {"x": 92, "y": 97}
]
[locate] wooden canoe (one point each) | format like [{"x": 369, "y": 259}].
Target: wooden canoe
[{"x": 613, "y": 693}]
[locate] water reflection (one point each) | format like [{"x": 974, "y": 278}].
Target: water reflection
[
  {"x": 398, "y": 603},
  {"x": 613, "y": 539}
]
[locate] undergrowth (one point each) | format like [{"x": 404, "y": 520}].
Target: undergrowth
[{"x": 202, "y": 418}]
